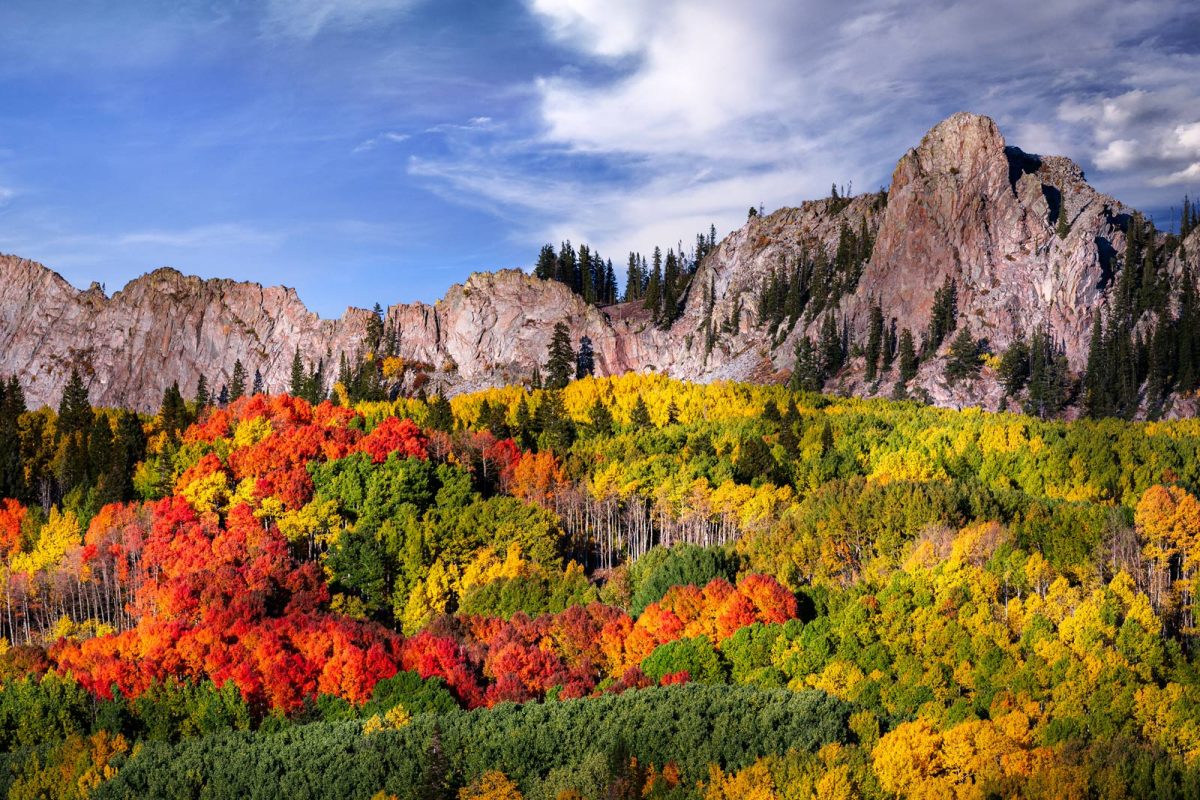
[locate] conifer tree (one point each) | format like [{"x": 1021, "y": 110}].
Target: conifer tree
[
  {"x": 585, "y": 360},
  {"x": 237, "y": 382},
  {"x": 907, "y": 353},
  {"x": 298, "y": 378},
  {"x": 874, "y": 342},
  {"x": 74, "y": 410},
  {"x": 203, "y": 395},
  {"x": 257, "y": 386},
  {"x": 639, "y": 417},
  {"x": 962, "y": 362},
  {"x": 560, "y": 362}
]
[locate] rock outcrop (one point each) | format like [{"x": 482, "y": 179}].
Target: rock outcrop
[{"x": 963, "y": 206}]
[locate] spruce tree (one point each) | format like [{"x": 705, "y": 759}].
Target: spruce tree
[
  {"x": 299, "y": 378},
  {"x": 237, "y": 382},
  {"x": 585, "y": 360},
  {"x": 600, "y": 418},
  {"x": 962, "y": 362},
  {"x": 807, "y": 374},
  {"x": 257, "y": 387},
  {"x": 203, "y": 395},
  {"x": 874, "y": 342},
  {"x": 74, "y": 410},
  {"x": 547, "y": 263},
  {"x": 639, "y": 417},
  {"x": 560, "y": 362},
  {"x": 907, "y": 353},
  {"x": 441, "y": 414}
]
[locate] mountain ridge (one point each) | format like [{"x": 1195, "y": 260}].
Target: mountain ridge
[{"x": 964, "y": 206}]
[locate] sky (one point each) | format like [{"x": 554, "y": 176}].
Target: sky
[{"x": 370, "y": 151}]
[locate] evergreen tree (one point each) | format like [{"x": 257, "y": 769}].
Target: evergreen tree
[
  {"x": 257, "y": 387},
  {"x": 670, "y": 289},
  {"x": 223, "y": 396},
  {"x": 585, "y": 360},
  {"x": 907, "y": 353},
  {"x": 524, "y": 423},
  {"x": 374, "y": 335},
  {"x": 874, "y": 342},
  {"x": 639, "y": 417},
  {"x": 601, "y": 419},
  {"x": 633, "y": 278},
  {"x": 12, "y": 406},
  {"x": 962, "y": 362},
  {"x": 1014, "y": 367},
  {"x": 653, "y": 296},
  {"x": 672, "y": 412},
  {"x": 547, "y": 263},
  {"x": 807, "y": 374},
  {"x": 560, "y": 363},
  {"x": 943, "y": 317},
  {"x": 832, "y": 352},
  {"x": 74, "y": 410},
  {"x": 203, "y": 395},
  {"x": 297, "y": 384},
  {"x": 237, "y": 383},
  {"x": 1049, "y": 376},
  {"x": 441, "y": 414},
  {"x": 172, "y": 412},
  {"x": 1097, "y": 400}
]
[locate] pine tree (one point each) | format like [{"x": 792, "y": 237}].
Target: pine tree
[
  {"x": 601, "y": 418},
  {"x": 237, "y": 383},
  {"x": 944, "y": 316},
  {"x": 223, "y": 396},
  {"x": 560, "y": 363},
  {"x": 807, "y": 374},
  {"x": 907, "y": 353},
  {"x": 1097, "y": 379},
  {"x": 74, "y": 410},
  {"x": 653, "y": 296},
  {"x": 633, "y": 278},
  {"x": 257, "y": 387},
  {"x": 639, "y": 417},
  {"x": 203, "y": 395},
  {"x": 1014, "y": 367},
  {"x": 670, "y": 288},
  {"x": 962, "y": 361},
  {"x": 832, "y": 352},
  {"x": 585, "y": 361},
  {"x": 547, "y": 263},
  {"x": 12, "y": 406},
  {"x": 874, "y": 342},
  {"x": 441, "y": 414},
  {"x": 374, "y": 335},
  {"x": 299, "y": 378},
  {"x": 172, "y": 412}
]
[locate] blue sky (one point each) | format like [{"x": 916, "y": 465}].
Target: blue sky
[{"x": 379, "y": 150}]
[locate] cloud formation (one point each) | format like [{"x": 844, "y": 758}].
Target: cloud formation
[{"x": 696, "y": 110}]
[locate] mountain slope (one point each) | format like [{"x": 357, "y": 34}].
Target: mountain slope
[{"x": 963, "y": 206}]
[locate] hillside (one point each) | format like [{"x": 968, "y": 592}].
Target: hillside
[{"x": 1023, "y": 238}]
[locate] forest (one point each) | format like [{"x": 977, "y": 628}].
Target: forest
[{"x": 626, "y": 587}]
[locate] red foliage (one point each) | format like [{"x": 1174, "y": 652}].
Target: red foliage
[
  {"x": 442, "y": 657},
  {"x": 394, "y": 435},
  {"x": 12, "y": 514},
  {"x": 675, "y": 677}
]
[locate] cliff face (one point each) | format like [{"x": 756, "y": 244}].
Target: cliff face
[{"x": 962, "y": 206}]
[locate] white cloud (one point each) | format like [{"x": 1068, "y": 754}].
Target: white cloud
[
  {"x": 305, "y": 19},
  {"x": 6, "y": 194},
  {"x": 689, "y": 111},
  {"x": 395, "y": 137},
  {"x": 225, "y": 234}
]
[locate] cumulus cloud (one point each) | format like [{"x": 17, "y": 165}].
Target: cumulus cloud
[{"x": 683, "y": 112}]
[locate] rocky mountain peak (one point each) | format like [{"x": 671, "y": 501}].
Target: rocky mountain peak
[{"x": 1025, "y": 240}]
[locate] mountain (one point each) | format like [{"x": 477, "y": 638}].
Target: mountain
[{"x": 1024, "y": 239}]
